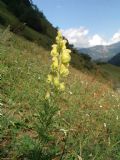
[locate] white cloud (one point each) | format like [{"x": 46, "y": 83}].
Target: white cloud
[
  {"x": 79, "y": 37},
  {"x": 116, "y": 37},
  {"x": 97, "y": 40}
]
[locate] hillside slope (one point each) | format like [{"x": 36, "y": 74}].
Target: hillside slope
[
  {"x": 89, "y": 109},
  {"x": 115, "y": 60},
  {"x": 11, "y": 13}
]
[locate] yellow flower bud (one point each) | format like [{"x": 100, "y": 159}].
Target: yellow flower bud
[
  {"x": 59, "y": 34},
  {"x": 49, "y": 78},
  {"x": 59, "y": 37},
  {"x": 67, "y": 51},
  {"x": 54, "y": 46},
  {"x": 54, "y": 59},
  {"x": 56, "y": 82},
  {"x": 65, "y": 57},
  {"x": 62, "y": 87},
  {"x": 54, "y": 52},
  {"x": 54, "y": 65},
  {"x": 64, "y": 71},
  {"x": 63, "y": 44},
  {"x": 47, "y": 96}
]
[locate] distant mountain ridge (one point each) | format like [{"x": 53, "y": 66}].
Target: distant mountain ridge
[
  {"x": 100, "y": 52},
  {"x": 115, "y": 60}
]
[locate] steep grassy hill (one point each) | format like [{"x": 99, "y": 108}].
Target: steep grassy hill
[
  {"x": 8, "y": 17},
  {"x": 88, "y": 110},
  {"x": 115, "y": 60},
  {"x": 110, "y": 72}
]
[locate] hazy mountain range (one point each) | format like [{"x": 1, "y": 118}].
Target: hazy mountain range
[{"x": 102, "y": 53}]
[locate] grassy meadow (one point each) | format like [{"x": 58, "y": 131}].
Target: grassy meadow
[{"x": 89, "y": 110}]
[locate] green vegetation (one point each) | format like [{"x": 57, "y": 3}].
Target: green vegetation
[
  {"x": 28, "y": 13},
  {"x": 115, "y": 60},
  {"x": 8, "y": 16},
  {"x": 82, "y": 62},
  {"x": 82, "y": 123},
  {"x": 86, "y": 126},
  {"x": 112, "y": 73}
]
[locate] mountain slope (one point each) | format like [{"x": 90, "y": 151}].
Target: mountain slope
[
  {"x": 88, "y": 109},
  {"x": 102, "y": 52},
  {"x": 26, "y": 20},
  {"x": 115, "y": 60}
]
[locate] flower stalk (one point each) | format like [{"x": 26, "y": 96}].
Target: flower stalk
[{"x": 60, "y": 63}]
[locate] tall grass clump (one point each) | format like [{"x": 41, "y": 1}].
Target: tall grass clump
[{"x": 6, "y": 35}]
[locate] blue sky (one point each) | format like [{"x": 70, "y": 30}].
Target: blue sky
[{"x": 84, "y": 22}]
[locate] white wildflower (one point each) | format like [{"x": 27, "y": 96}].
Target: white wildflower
[
  {"x": 64, "y": 131},
  {"x": 105, "y": 125},
  {"x": 117, "y": 118}
]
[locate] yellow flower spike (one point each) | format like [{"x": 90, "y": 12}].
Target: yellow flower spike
[
  {"x": 49, "y": 78},
  {"x": 60, "y": 62},
  {"x": 62, "y": 87},
  {"x": 64, "y": 70},
  {"x": 56, "y": 82}
]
